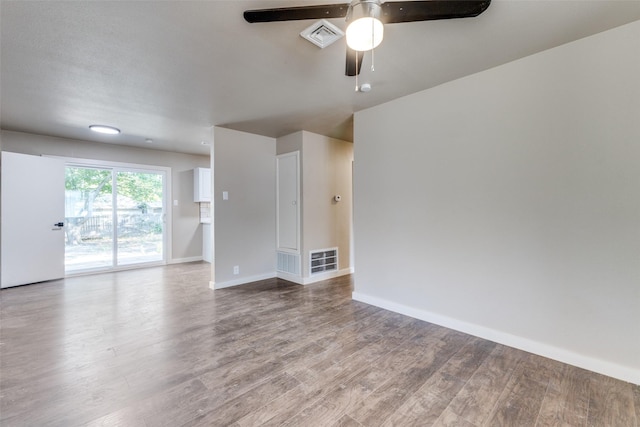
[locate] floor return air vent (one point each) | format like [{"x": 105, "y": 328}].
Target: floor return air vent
[{"x": 289, "y": 263}]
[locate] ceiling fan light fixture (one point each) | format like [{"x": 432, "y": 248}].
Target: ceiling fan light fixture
[{"x": 365, "y": 31}]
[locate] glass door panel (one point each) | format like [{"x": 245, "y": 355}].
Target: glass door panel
[
  {"x": 140, "y": 217},
  {"x": 89, "y": 219}
]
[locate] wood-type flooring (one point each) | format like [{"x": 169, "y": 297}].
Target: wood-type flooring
[{"x": 157, "y": 347}]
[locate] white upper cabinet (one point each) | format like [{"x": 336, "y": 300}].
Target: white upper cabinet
[{"x": 202, "y": 185}]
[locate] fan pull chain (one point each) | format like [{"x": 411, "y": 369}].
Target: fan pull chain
[
  {"x": 372, "y": 38},
  {"x": 357, "y": 88},
  {"x": 372, "y": 57}
]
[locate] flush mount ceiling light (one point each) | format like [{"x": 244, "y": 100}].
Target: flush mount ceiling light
[
  {"x": 109, "y": 130},
  {"x": 365, "y": 30}
]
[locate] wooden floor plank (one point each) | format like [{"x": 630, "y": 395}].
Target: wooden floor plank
[
  {"x": 566, "y": 401},
  {"x": 157, "y": 347},
  {"x": 343, "y": 396},
  {"x": 347, "y": 421},
  {"x": 450, "y": 419},
  {"x": 611, "y": 403},
  {"x": 420, "y": 409},
  {"x": 163, "y": 402},
  {"x": 636, "y": 400},
  {"x": 521, "y": 399},
  {"x": 381, "y": 356},
  {"x": 428, "y": 405},
  {"x": 236, "y": 408},
  {"x": 479, "y": 395},
  {"x": 391, "y": 395}
]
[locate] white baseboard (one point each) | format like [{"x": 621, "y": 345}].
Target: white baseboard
[
  {"x": 614, "y": 370},
  {"x": 181, "y": 260},
  {"x": 315, "y": 278},
  {"x": 289, "y": 277},
  {"x": 241, "y": 281},
  {"x": 285, "y": 276}
]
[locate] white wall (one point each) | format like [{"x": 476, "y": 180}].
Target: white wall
[
  {"x": 244, "y": 225},
  {"x": 507, "y": 204},
  {"x": 326, "y": 172},
  {"x": 186, "y": 239}
]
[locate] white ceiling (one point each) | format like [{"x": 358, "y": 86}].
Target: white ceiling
[{"x": 170, "y": 70}]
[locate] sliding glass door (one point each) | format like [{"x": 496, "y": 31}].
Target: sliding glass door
[{"x": 114, "y": 217}]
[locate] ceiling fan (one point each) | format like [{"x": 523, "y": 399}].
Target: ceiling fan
[{"x": 366, "y": 19}]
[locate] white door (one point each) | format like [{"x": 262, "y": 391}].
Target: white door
[
  {"x": 288, "y": 209},
  {"x": 32, "y": 219}
]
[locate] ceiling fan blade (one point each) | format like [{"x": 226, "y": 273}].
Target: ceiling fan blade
[
  {"x": 325, "y": 11},
  {"x": 409, "y": 11},
  {"x": 354, "y": 62}
]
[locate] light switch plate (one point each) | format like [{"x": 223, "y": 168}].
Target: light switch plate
[{"x": 225, "y": 195}]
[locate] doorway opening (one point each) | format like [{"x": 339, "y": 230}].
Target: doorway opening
[{"x": 115, "y": 217}]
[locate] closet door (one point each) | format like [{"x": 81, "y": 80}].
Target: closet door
[{"x": 288, "y": 206}]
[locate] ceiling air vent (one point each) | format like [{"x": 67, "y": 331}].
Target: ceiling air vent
[{"x": 322, "y": 33}]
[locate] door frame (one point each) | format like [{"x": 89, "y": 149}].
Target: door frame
[{"x": 166, "y": 206}]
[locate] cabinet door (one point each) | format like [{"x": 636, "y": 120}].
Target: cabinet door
[
  {"x": 288, "y": 191},
  {"x": 202, "y": 185}
]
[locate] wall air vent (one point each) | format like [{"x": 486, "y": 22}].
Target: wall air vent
[
  {"x": 323, "y": 260},
  {"x": 322, "y": 33}
]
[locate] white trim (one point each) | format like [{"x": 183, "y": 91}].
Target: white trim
[
  {"x": 182, "y": 260},
  {"x": 289, "y": 277},
  {"x": 284, "y": 276},
  {"x": 242, "y": 281},
  {"x": 620, "y": 372},
  {"x": 102, "y": 270},
  {"x": 319, "y": 277},
  {"x": 212, "y": 209},
  {"x": 73, "y": 161}
]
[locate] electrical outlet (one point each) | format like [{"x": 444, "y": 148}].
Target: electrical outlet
[{"x": 236, "y": 269}]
